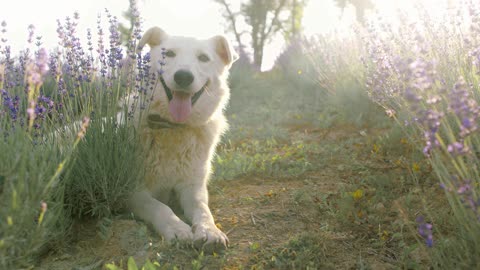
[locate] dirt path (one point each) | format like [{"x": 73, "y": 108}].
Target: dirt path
[{"x": 262, "y": 217}]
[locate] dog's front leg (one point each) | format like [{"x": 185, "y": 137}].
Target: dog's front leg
[
  {"x": 206, "y": 235},
  {"x": 163, "y": 219}
]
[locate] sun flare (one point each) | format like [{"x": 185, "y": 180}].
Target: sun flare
[
  {"x": 411, "y": 8},
  {"x": 202, "y": 18}
]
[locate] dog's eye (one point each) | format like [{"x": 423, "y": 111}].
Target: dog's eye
[
  {"x": 203, "y": 58},
  {"x": 170, "y": 53}
]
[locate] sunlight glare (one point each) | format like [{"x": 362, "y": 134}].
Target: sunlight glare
[{"x": 390, "y": 9}]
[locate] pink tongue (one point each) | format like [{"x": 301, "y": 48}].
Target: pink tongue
[{"x": 180, "y": 106}]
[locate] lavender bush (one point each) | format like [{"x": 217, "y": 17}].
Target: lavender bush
[
  {"x": 328, "y": 65},
  {"x": 424, "y": 72},
  {"x": 429, "y": 78},
  {"x": 59, "y": 132}
]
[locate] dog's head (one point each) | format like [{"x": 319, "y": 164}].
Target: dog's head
[{"x": 192, "y": 74}]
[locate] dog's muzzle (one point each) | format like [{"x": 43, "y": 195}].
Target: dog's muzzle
[
  {"x": 169, "y": 93},
  {"x": 155, "y": 121}
]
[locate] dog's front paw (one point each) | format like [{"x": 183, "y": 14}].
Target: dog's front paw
[
  {"x": 209, "y": 238},
  {"x": 179, "y": 231}
]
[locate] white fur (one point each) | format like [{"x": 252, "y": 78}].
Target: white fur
[{"x": 179, "y": 158}]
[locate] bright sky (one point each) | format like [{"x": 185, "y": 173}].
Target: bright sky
[{"x": 200, "y": 18}]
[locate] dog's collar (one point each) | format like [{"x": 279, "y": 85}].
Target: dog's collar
[
  {"x": 155, "y": 121},
  {"x": 169, "y": 94}
]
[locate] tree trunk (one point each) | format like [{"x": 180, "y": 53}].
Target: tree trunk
[
  {"x": 294, "y": 20},
  {"x": 360, "y": 13},
  {"x": 258, "y": 56}
]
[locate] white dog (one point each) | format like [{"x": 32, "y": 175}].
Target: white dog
[{"x": 180, "y": 131}]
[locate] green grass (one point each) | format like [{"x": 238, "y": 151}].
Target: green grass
[
  {"x": 268, "y": 158},
  {"x": 302, "y": 252}
]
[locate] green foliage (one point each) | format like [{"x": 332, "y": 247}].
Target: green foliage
[
  {"x": 241, "y": 74},
  {"x": 295, "y": 67},
  {"x": 328, "y": 68},
  {"x": 267, "y": 157},
  {"x": 32, "y": 216},
  {"x": 438, "y": 115},
  {"x": 132, "y": 265},
  {"x": 294, "y": 27},
  {"x": 52, "y": 169},
  {"x": 305, "y": 251},
  {"x": 360, "y": 7},
  {"x": 105, "y": 170},
  {"x": 266, "y": 19},
  {"x": 196, "y": 264}
]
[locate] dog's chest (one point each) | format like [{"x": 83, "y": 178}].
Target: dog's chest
[{"x": 176, "y": 155}]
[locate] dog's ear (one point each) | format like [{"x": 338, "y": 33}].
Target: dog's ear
[
  {"x": 224, "y": 50},
  {"x": 153, "y": 37}
]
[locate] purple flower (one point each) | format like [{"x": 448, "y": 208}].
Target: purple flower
[
  {"x": 468, "y": 197},
  {"x": 421, "y": 94},
  {"x": 35, "y": 78},
  {"x": 11, "y": 103},
  {"x": 425, "y": 231},
  {"x": 457, "y": 149},
  {"x": 464, "y": 190},
  {"x": 411, "y": 96},
  {"x": 464, "y": 107},
  {"x": 31, "y": 32},
  {"x": 423, "y": 74},
  {"x": 42, "y": 61},
  {"x": 3, "y": 31},
  {"x": 430, "y": 121},
  {"x": 89, "y": 39}
]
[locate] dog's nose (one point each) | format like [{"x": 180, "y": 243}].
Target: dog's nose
[{"x": 183, "y": 78}]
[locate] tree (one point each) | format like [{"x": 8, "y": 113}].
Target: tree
[
  {"x": 265, "y": 19},
  {"x": 231, "y": 18},
  {"x": 295, "y": 25},
  {"x": 359, "y": 5}
]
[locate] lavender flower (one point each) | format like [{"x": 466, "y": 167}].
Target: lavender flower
[
  {"x": 42, "y": 61},
  {"x": 115, "y": 53},
  {"x": 89, "y": 40},
  {"x": 71, "y": 70},
  {"x": 137, "y": 24},
  {"x": 37, "y": 69},
  {"x": 162, "y": 62},
  {"x": 458, "y": 149},
  {"x": 430, "y": 120},
  {"x": 464, "y": 107},
  {"x": 11, "y": 103},
  {"x": 425, "y": 231},
  {"x": 31, "y": 33},
  {"x": 464, "y": 189},
  {"x": 101, "y": 48},
  {"x": 3, "y": 30},
  {"x": 421, "y": 95}
]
